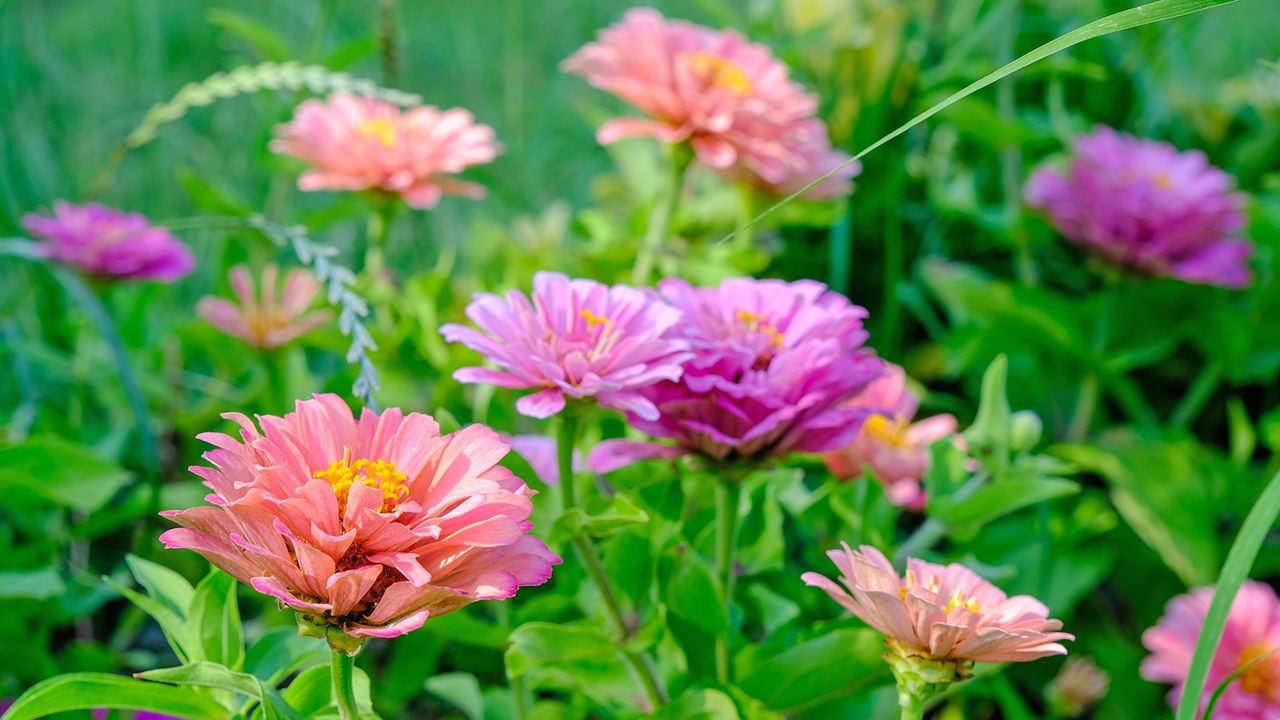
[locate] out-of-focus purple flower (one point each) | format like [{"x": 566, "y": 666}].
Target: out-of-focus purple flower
[
  {"x": 775, "y": 365},
  {"x": 109, "y": 243},
  {"x": 540, "y": 452},
  {"x": 576, "y": 339},
  {"x": 1145, "y": 206}
]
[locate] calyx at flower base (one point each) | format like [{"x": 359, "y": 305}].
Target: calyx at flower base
[{"x": 919, "y": 676}]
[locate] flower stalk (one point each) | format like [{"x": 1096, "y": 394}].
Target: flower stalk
[
  {"x": 659, "y": 230},
  {"x": 342, "y": 668},
  {"x": 728, "y": 494}
]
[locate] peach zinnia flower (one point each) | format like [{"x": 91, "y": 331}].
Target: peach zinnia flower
[
  {"x": 359, "y": 143},
  {"x": 266, "y": 321},
  {"x": 366, "y": 527},
  {"x": 731, "y": 100},
  {"x": 1250, "y": 638}
]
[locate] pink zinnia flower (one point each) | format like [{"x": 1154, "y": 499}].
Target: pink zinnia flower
[
  {"x": 941, "y": 613},
  {"x": 896, "y": 449},
  {"x": 1145, "y": 206},
  {"x": 366, "y": 527},
  {"x": 576, "y": 339},
  {"x": 266, "y": 321},
  {"x": 359, "y": 143},
  {"x": 775, "y": 365},
  {"x": 1252, "y": 631},
  {"x": 731, "y": 100},
  {"x": 109, "y": 243}
]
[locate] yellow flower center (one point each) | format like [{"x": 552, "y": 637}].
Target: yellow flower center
[
  {"x": 379, "y": 128},
  {"x": 593, "y": 319},
  {"x": 342, "y": 474},
  {"x": 717, "y": 71},
  {"x": 890, "y": 431},
  {"x": 1163, "y": 181},
  {"x": 958, "y": 600},
  {"x": 1263, "y": 679}
]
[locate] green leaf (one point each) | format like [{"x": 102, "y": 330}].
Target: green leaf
[
  {"x": 628, "y": 560},
  {"x": 989, "y": 433},
  {"x": 535, "y": 643},
  {"x": 700, "y": 704},
  {"x": 62, "y": 472},
  {"x": 215, "y": 617},
  {"x": 175, "y": 628},
  {"x": 692, "y": 593},
  {"x": 163, "y": 584},
  {"x": 999, "y": 499},
  {"x": 837, "y": 662},
  {"x": 206, "y": 674},
  {"x": 265, "y": 41},
  {"x": 601, "y": 517},
  {"x": 461, "y": 690},
  {"x": 1235, "y": 570},
  {"x": 281, "y": 652},
  {"x": 86, "y": 691},
  {"x": 311, "y": 691},
  {"x": 34, "y": 584}
]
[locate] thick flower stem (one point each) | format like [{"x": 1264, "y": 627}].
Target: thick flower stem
[
  {"x": 660, "y": 225},
  {"x": 639, "y": 664},
  {"x": 378, "y": 232},
  {"x": 912, "y": 707},
  {"x": 343, "y": 670},
  {"x": 1087, "y": 400},
  {"x": 728, "y": 492}
]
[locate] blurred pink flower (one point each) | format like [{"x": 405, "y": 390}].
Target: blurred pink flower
[
  {"x": 941, "y": 612},
  {"x": 359, "y": 143},
  {"x": 266, "y": 321},
  {"x": 365, "y": 527},
  {"x": 731, "y": 100},
  {"x": 896, "y": 449},
  {"x": 1252, "y": 631},
  {"x": 1145, "y": 206},
  {"x": 775, "y": 365},
  {"x": 577, "y": 339},
  {"x": 109, "y": 243},
  {"x": 540, "y": 452}
]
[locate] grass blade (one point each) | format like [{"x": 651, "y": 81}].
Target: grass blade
[{"x": 1234, "y": 571}]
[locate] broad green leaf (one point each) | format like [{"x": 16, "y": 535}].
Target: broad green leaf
[
  {"x": 999, "y": 499},
  {"x": 461, "y": 690},
  {"x": 34, "y": 584},
  {"x": 1234, "y": 572},
  {"x": 206, "y": 674},
  {"x": 600, "y": 518},
  {"x": 86, "y": 691},
  {"x": 311, "y": 691},
  {"x": 761, "y": 543},
  {"x": 60, "y": 471},
  {"x": 215, "y": 617},
  {"x": 163, "y": 584},
  {"x": 176, "y": 630},
  {"x": 700, "y": 704},
  {"x": 265, "y": 41},
  {"x": 535, "y": 643},
  {"x": 694, "y": 594},
  {"x": 837, "y": 662},
  {"x": 281, "y": 652}
]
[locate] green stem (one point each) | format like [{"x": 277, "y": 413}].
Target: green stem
[
  {"x": 276, "y": 362},
  {"x": 519, "y": 693},
  {"x": 379, "y": 230},
  {"x": 660, "y": 225},
  {"x": 639, "y": 664},
  {"x": 388, "y": 46},
  {"x": 933, "y": 529},
  {"x": 1011, "y": 154},
  {"x": 1087, "y": 399},
  {"x": 1202, "y": 388},
  {"x": 728, "y": 494},
  {"x": 912, "y": 706},
  {"x": 343, "y": 670}
]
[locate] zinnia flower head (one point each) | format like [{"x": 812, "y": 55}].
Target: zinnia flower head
[
  {"x": 896, "y": 449},
  {"x": 731, "y": 100},
  {"x": 109, "y": 243},
  {"x": 1147, "y": 207},
  {"x": 940, "y": 613},
  {"x": 1077, "y": 688},
  {"x": 576, "y": 339},
  {"x": 359, "y": 143},
  {"x": 774, "y": 367},
  {"x": 366, "y": 527},
  {"x": 1251, "y": 638},
  {"x": 266, "y": 321}
]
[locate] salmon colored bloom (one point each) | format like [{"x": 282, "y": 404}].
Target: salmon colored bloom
[
  {"x": 109, "y": 243},
  {"x": 359, "y": 143},
  {"x": 1251, "y": 638},
  {"x": 366, "y": 527},
  {"x": 896, "y": 449},
  {"x": 732, "y": 101},
  {"x": 266, "y": 321},
  {"x": 576, "y": 339},
  {"x": 941, "y": 613}
]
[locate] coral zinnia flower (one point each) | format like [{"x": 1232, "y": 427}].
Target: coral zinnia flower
[
  {"x": 775, "y": 365},
  {"x": 577, "y": 339},
  {"x": 266, "y": 322},
  {"x": 109, "y": 243},
  {"x": 359, "y": 143},
  {"x": 365, "y": 527},
  {"x": 941, "y": 613},
  {"x": 1251, "y": 638},
  {"x": 896, "y": 449},
  {"x": 1147, "y": 207},
  {"x": 731, "y": 100}
]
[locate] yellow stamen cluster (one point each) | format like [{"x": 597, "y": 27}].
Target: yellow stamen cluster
[
  {"x": 1163, "y": 181},
  {"x": 890, "y": 431},
  {"x": 1263, "y": 679},
  {"x": 717, "y": 71},
  {"x": 342, "y": 474},
  {"x": 755, "y": 321},
  {"x": 592, "y": 318},
  {"x": 379, "y": 128},
  {"x": 958, "y": 600}
]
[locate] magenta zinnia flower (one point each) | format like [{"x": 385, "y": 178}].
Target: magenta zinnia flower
[
  {"x": 940, "y": 613},
  {"x": 109, "y": 243},
  {"x": 266, "y": 321},
  {"x": 1147, "y": 207},
  {"x": 576, "y": 339},
  {"x": 895, "y": 448},
  {"x": 1251, "y": 635},
  {"x": 366, "y": 527},
  {"x": 731, "y": 100},
  {"x": 358, "y": 143},
  {"x": 775, "y": 365}
]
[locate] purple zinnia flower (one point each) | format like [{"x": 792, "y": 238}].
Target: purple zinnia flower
[
  {"x": 109, "y": 243},
  {"x": 576, "y": 339},
  {"x": 1145, "y": 206},
  {"x": 775, "y": 365}
]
